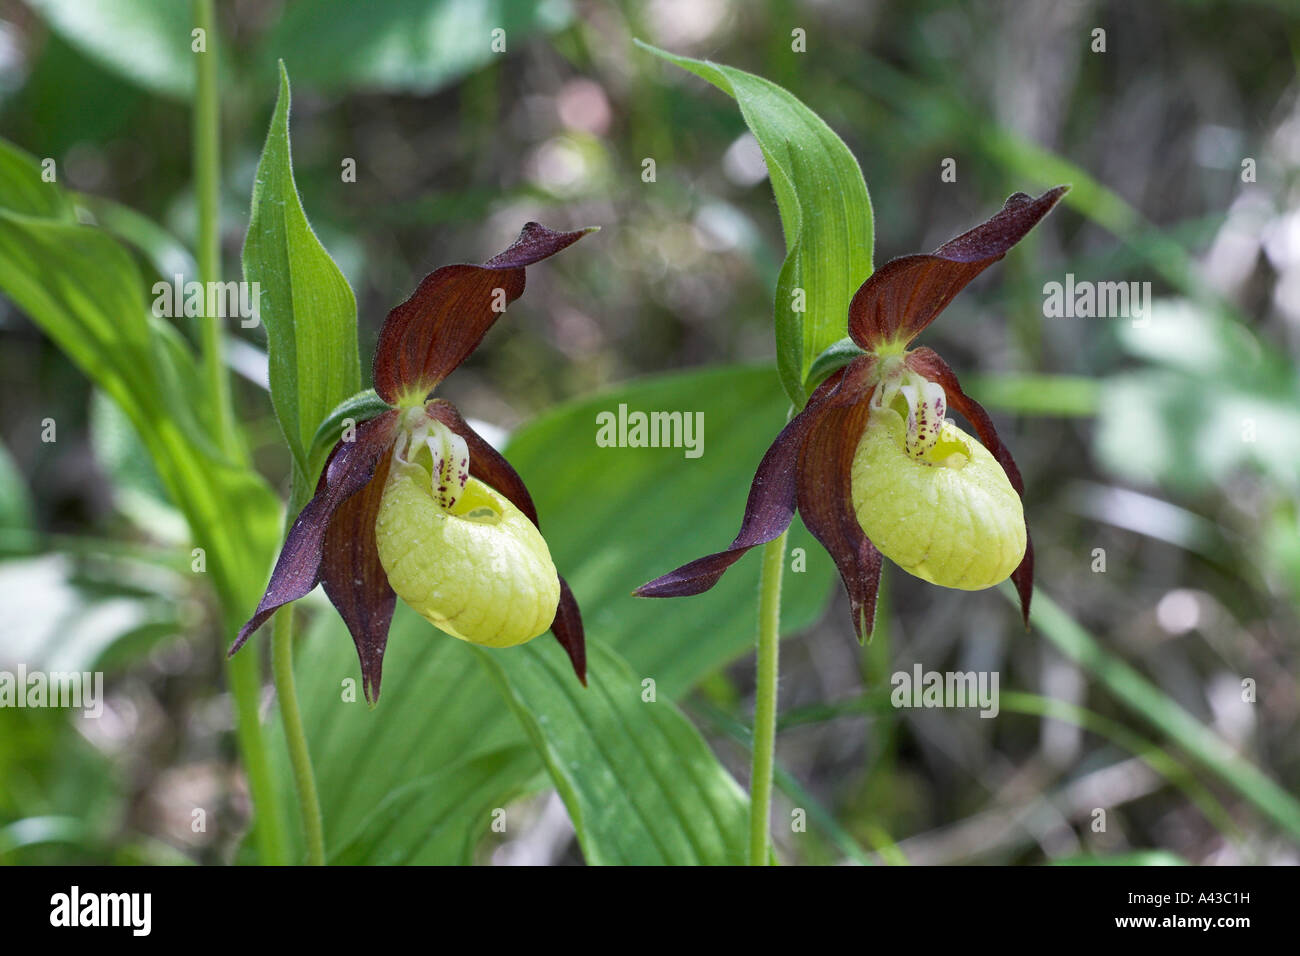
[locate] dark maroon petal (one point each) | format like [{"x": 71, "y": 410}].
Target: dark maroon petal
[
  {"x": 771, "y": 504},
  {"x": 490, "y": 467},
  {"x": 904, "y": 295},
  {"x": 348, "y": 469},
  {"x": 568, "y": 630},
  {"x": 354, "y": 578},
  {"x": 826, "y": 505},
  {"x": 446, "y": 317},
  {"x": 1023, "y": 577},
  {"x": 926, "y": 362}
]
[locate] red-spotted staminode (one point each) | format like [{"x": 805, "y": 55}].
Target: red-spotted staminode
[
  {"x": 417, "y": 504},
  {"x": 873, "y": 465}
]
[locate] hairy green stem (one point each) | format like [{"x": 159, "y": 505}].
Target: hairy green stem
[
  {"x": 207, "y": 189},
  {"x": 299, "y": 756},
  {"x": 769, "y": 637},
  {"x": 244, "y": 676},
  {"x": 244, "y": 673}
]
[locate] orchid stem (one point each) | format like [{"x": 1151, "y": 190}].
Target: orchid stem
[
  {"x": 304, "y": 778},
  {"x": 769, "y": 637},
  {"x": 243, "y": 676},
  {"x": 207, "y": 188}
]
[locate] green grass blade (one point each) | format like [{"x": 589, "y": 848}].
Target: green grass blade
[{"x": 1148, "y": 701}]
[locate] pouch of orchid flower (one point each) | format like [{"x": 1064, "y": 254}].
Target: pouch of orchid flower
[
  {"x": 873, "y": 464},
  {"x": 418, "y": 505}
]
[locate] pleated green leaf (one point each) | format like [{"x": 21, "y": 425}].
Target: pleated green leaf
[{"x": 641, "y": 785}]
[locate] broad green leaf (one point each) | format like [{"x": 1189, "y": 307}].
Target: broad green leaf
[
  {"x": 86, "y": 611},
  {"x": 1160, "y": 424},
  {"x": 1162, "y": 427},
  {"x": 613, "y": 518},
  {"x": 408, "y": 45},
  {"x": 145, "y": 41},
  {"x": 825, "y": 213},
  {"x": 61, "y": 795},
  {"x": 1180, "y": 334},
  {"x": 441, "y": 817},
  {"x": 307, "y": 305},
  {"x": 137, "y": 491},
  {"x": 438, "y": 712},
  {"x": 640, "y": 783}
]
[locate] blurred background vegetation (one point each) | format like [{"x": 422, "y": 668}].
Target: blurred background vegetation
[{"x": 1134, "y": 440}]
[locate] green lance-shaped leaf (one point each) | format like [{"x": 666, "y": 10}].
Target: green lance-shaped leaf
[
  {"x": 306, "y": 304},
  {"x": 640, "y": 784},
  {"x": 825, "y": 213}
]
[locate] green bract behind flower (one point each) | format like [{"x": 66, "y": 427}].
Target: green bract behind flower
[{"x": 949, "y": 516}]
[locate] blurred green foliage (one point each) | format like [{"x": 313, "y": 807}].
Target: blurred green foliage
[{"x": 1135, "y": 442}]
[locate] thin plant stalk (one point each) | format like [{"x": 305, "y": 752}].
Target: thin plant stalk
[
  {"x": 769, "y": 638},
  {"x": 207, "y": 187},
  {"x": 244, "y": 676},
  {"x": 299, "y": 756}
]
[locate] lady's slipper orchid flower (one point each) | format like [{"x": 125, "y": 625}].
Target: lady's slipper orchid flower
[
  {"x": 417, "y": 504},
  {"x": 871, "y": 462}
]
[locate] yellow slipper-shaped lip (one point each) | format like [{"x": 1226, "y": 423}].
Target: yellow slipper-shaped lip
[
  {"x": 479, "y": 570},
  {"x": 949, "y": 516}
]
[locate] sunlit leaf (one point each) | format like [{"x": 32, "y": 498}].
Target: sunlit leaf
[
  {"x": 163, "y": 251},
  {"x": 15, "y": 499},
  {"x": 84, "y": 291},
  {"x": 307, "y": 305}
]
